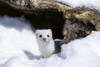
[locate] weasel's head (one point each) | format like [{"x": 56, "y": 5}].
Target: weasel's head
[{"x": 44, "y": 35}]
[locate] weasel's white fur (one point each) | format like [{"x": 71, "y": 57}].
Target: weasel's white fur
[{"x": 46, "y": 47}]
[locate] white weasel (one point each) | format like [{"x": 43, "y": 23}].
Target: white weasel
[{"x": 45, "y": 42}]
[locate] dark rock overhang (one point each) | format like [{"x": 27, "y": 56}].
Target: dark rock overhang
[{"x": 40, "y": 18}]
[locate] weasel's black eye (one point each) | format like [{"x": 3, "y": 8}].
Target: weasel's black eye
[
  {"x": 40, "y": 36},
  {"x": 48, "y": 36}
]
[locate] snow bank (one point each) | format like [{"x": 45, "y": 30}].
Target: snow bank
[
  {"x": 78, "y": 53},
  {"x": 18, "y": 48},
  {"x": 16, "y": 37},
  {"x": 78, "y": 3},
  {"x": 82, "y": 52}
]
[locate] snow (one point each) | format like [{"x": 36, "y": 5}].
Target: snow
[
  {"x": 18, "y": 48},
  {"x": 16, "y": 37},
  {"x": 79, "y": 3},
  {"x": 82, "y": 52}
]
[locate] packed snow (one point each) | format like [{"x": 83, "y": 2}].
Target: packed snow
[
  {"x": 18, "y": 48},
  {"x": 94, "y": 4}
]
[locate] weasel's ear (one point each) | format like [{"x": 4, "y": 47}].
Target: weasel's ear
[
  {"x": 36, "y": 32},
  {"x": 50, "y": 31}
]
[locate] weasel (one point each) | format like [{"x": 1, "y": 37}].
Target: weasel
[{"x": 45, "y": 42}]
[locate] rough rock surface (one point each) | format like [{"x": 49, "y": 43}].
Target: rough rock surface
[
  {"x": 73, "y": 23},
  {"x": 79, "y": 23}
]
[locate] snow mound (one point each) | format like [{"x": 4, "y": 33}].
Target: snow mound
[{"x": 82, "y": 52}]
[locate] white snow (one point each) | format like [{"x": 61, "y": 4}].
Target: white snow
[
  {"x": 79, "y": 3},
  {"x": 16, "y": 37},
  {"x": 18, "y": 48}
]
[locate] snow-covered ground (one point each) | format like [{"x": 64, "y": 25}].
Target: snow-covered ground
[
  {"x": 18, "y": 47},
  {"x": 16, "y": 39}
]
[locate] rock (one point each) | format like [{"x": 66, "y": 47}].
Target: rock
[
  {"x": 79, "y": 23},
  {"x": 73, "y": 23},
  {"x": 74, "y": 30},
  {"x": 39, "y": 17}
]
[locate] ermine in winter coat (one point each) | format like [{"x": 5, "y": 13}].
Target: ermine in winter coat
[{"x": 45, "y": 42}]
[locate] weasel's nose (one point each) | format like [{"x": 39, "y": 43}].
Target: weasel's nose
[{"x": 44, "y": 39}]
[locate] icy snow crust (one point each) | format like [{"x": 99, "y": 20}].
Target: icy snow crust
[{"x": 18, "y": 48}]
